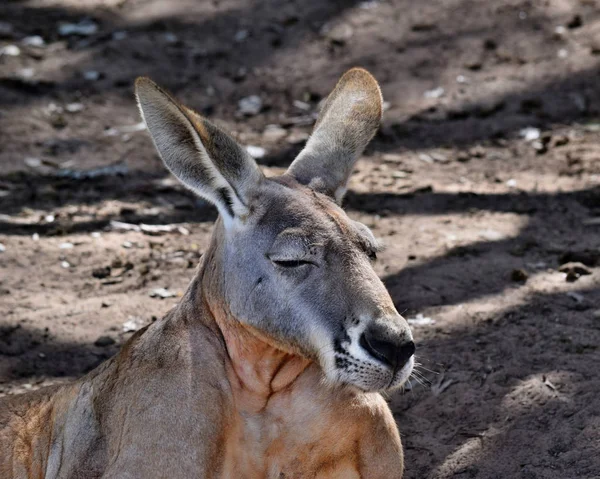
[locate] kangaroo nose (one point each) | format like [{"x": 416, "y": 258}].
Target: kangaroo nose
[{"x": 389, "y": 348}]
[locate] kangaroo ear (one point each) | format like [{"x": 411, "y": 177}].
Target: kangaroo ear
[
  {"x": 347, "y": 122},
  {"x": 200, "y": 155}
]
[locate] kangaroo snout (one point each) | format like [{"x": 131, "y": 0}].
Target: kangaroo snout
[{"x": 391, "y": 346}]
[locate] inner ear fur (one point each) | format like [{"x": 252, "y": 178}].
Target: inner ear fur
[
  {"x": 347, "y": 122},
  {"x": 201, "y": 155}
]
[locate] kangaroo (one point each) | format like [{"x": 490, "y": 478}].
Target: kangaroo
[{"x": 273, "y": 363}]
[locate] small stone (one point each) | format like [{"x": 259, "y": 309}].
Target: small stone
[
  {"x": 120, "y": 35},
  {"x": 250, "y": 105},
  {"x": 91, "y": 75},
  {"x": 74, "y": 107},
  {"x": 491, "y": 235},
  {"x": 463, "y": 156},
  {"x": 577, "y": 297},
  {"x": 66, "y": 246},
  {"x": 2, "y": 248},
  {"x": 10, "y": 51},
  {"x": 400, "y": 174},
  {"x": 65, "y": 264},
  {"x": 296, "y": 137},
  {"x": 519, "y": 275},
  {"x": 539, "y": 147},
  {"x": 83, "y": 28},
  {"x": 35, "y": 237},
  {"x": 368, "y": 5},
  {"x": 422, "y": 26},
  {"x": 435, "y": 93},
  {"x": 26, "y": 73},
  {"x": 338, "y": 34},
  {"x": 477, "y": 152},
  {"x": 274, "y": 133},
  {"x": 170, "y": 38},
  {"x": 420, "y": 320},
  {"x": 32, "y": 162},
  {"x": 391, "y": 157},
  {"x": 575, "y": 22},
  {"x": 104, "y": 341},
  {"x": 559, "y": 140},
  {"x": 490, "y": 44},
  {"x": 439, "y": 157},
  {"x": 33, "y": 41},
  {"x": 301, "y": 105},
  {"x": 562, "y": 53},
  {"x": 133, "y": 323},
  {"x": 474, "y": 63},
  {"x": 560, "y": 32},
  {"x": 530, "y": 133},
  {"x": 101, "y": 273},
  {"x": 512, "y": 183},
  {"x": 256, "y": 151},
  {"x": 241, "y": 35},
  {"x": 161, "y": 293}
]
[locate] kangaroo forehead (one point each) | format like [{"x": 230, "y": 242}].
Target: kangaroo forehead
[{"x": 295, "y": 206}]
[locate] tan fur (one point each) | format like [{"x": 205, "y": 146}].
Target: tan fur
[{"x": 198, "y": 394}]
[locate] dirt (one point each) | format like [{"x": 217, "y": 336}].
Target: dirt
[{"x": 477, "y": 214}]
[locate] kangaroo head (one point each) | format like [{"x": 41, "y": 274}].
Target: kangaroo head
[{"x": 292, "y": 265}]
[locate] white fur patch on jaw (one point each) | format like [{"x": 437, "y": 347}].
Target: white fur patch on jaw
[
  {"x": 403, "y": 375},
  {"x": 321, "y": 339},
  {"x": 339, "y": 194}
]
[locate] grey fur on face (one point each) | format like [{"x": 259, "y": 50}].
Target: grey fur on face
[{"x": 291, "y": 263}]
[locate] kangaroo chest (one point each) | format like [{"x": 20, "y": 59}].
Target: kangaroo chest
[{"x": 303, "y": 433}]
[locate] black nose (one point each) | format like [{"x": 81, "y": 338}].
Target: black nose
[{"x": 387, "y": 347}]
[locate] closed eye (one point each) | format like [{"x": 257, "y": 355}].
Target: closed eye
[{"x": 291, "y": 263}]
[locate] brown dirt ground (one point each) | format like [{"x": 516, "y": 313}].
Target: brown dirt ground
[{"x": 460, "y": 199}]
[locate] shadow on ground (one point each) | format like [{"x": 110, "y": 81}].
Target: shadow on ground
[{"x": 482, "y": 359}]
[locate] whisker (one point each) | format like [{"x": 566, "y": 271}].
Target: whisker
[
  {"x": 418, "y": 380},
  {"x": 420, "y": 366},
  {"x": 416, "y": 372}
]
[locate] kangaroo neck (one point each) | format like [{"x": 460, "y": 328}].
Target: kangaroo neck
[{"x": 257, "y": 367}]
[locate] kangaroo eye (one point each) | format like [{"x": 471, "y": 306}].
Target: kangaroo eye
[
  {"x": 372, "y": 255},
  {"x": 291, "y": 263}
]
